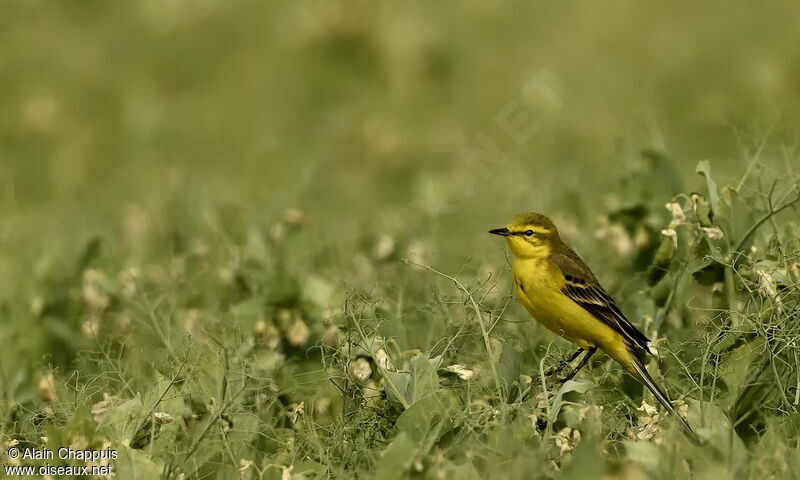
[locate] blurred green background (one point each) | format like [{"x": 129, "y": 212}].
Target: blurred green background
[
  {"x": 357, "y": 111},
  {"x": 140, "y": 136}
]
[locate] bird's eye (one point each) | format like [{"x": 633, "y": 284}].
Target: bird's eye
[{"x": 528, "y": 232}]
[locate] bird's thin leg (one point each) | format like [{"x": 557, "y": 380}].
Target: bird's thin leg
[
  {"x": 574, "y": 356},
  {"x": 563, "y": 364},
  {"x": 584, "y": 361}
]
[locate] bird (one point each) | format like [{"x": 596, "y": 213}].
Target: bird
[{"x": 561, "y": 292}]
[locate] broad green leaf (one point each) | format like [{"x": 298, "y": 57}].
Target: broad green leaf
[
  {"x": 509, "y": 368},
  {"x": 121, "y": 421},
  {"x": 424, "y": 380},
  {"x": 436, "y": 361},
  {"x": 255, "y": 247},
  {"x": 716, "y": 430},
  {"x": 702, "y": 209},
  {"x": 661, "y": 262},
  {"x": 704, "y": 169},
  {"x": 427, "y": 417},
  {"x": 135, "y": 464},
  {"x": 645, "y": 454},
  {"x": 465, "y": 471},
  {"x": 396, "y": 386},
  {"x": 319, "y": 291},
  {"x": 734, "y": 217},
  {"x": 587, "y": 459},
  {"x": 308, "y": 467},
  {"x": 81, "y": 423},
  {"x": 579, "y": 386},
  {"x": 397, "y": 458}
]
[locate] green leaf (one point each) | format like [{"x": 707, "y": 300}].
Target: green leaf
[
  {"x": 704, "y": 169},
  {"x": 645, "y": 454},
  {"x": 429, "y": 416},
  {"x": 146, "y": 432},
  {"x": 91, "y": 252},
  {"x": 579, "y": 386},
  {"x": 396, "y": 387},
  {"x": 134, "y": 464},
  {"x": 734, "y": 217},
  {"x": 587, "y": 458},
  {"x": 716, "y": 429},
  {"x": 465, "y": 471},
  {"x": 424, "y": 380},
  {"x": 436, "y": 361},
  {"x": 308, "y": 469},
  {"x": 509, "y": 368},
  {"x": 702, "y": 209},
  {"x": 407, "y": 388},
  {"x": 397, "y": 459},
  {"x": 319, "y": 291},
  {"x": 661, "y": 262},
  {"x": 121, "y": 420}
]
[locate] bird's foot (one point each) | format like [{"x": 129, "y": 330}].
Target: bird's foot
[{"x": 556, "y": 372}]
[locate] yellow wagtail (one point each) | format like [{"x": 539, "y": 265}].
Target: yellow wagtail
[{"x": 560, "y": 291}]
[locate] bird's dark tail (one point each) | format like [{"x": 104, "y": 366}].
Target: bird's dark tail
[{"x": 641, "y": 372}]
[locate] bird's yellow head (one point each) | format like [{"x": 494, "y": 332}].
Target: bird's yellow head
[{"x": 530, "y": 235}]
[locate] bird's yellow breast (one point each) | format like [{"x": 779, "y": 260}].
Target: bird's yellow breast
[{"x": 539, "y": 283}]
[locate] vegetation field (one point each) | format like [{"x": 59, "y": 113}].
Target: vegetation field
[{"x": 248, "y": 240}]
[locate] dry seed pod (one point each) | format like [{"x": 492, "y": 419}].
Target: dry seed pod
[
  {"x": 294, "y": 217},
  {"x": 383, "y": 248},
  {"x": 360, "y": 370},
  {"x": 47, "y": 388},
  {"x": 298, "y": 332},
  {"x": 331, "y": 337}
]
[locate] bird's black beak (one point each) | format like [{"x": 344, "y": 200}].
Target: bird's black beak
[{"x": 503, "y": 232}]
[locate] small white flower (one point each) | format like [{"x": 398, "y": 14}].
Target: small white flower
[
  {"x": 286, "y": 473},
  {"x": 360, "y": 369},
  {"x": 92, "y": 292},
  {"x": 277, "y": 233},
  {"x": 294, "y": 217},
  {"x": 714, "y": 233},
  {"x": 678, "y": 217},
  {"x": 372, "y": 390},
  {"x": 47, "y": 388},
  {"x": 100, "y": 408},
  {"x": 298, "y": 333},
  {"x": 650, "y": 424},
  {"x": 767, "y": 288},
  {"x": 671, "y": 233},
  {"x": 648, "y": 409},
  {"x": 796, "y": 269},
  {"x": 460, "y": 370},
  {"x": 766, "y": 284},
  {"x": 383, "y": 248},
  {"x": 322, "y": 406},
  {"x": 383, "y": 360},
  {"x": 163, "y": 417},
  {"x": 566, "y": 439},
  {"x": 296, "y": 411},
  {"x": 245, "y": 465}
]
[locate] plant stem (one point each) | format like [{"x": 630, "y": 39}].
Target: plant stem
[
  {"x": 382, "y": 370},
  {"x": 767, "y": 216},
  {"x": 477, "y": 310}
]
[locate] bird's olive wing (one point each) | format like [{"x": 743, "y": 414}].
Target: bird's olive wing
[{"x": 584, "y": 289}]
